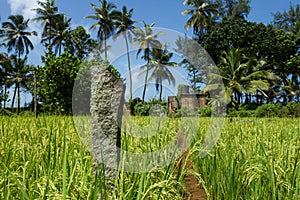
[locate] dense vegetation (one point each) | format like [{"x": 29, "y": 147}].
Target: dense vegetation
[
  {"x": 44, "y": 158},
  {"x": 256, "y": 157},
  {"x": 258, "y": 63}
]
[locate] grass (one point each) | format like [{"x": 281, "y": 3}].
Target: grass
[
  {"x": 254, "y": 159},
  {"x": 44, "y": 158}
]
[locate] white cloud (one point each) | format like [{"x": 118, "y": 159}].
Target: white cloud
[{"x": 23, "y": 7}]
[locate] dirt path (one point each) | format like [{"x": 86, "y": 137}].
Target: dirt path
[{"x": 192, "y": 184}]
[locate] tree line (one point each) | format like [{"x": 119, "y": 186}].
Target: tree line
[{"x": 258, "y": 63}]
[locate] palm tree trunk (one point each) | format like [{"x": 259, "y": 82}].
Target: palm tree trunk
[
  {"x": 59, "y": 49},
  {"x": 13, "y": 100},
  {"x": 160, "y": 91},
  {"x": 19, "y": 103},
  {"x": 105, "y": 46},
  {"x": 145, "y": 84},
  {"x": 49, "y": 41},
  {"x": 5, "y": 93},
  {"x": 129, "y": 68},
  {"x": 34, "y": 94}
]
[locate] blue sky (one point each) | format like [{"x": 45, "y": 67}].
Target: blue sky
[{"x": 165, "y": 14}]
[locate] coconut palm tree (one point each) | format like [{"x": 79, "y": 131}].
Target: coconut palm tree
[
  {"x": 47, "y": 14},
  {"x": 4, "y": 63},
  {"x": 60, "y": 32},
  {"x": 16, "y": 35},
  {"x": 202, "y": 16},
  {"x": 105, "y": 15},
  {"x": 125, "y": 26},
  {"x": 242, "y": 75},
  {"x": 147, "y": 41},
  {"x": 288, "y": 20},
  {"x": 18, "y": 75},
  {"x": 159, "y": 63}
]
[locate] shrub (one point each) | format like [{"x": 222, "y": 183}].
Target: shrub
[
  {"x": 4, "y": 112},
  {"x": 293, "y": 109},
  {"x": 271, "y": 110},
  {"x": 142, "y": 109},
  {"x": 241, "y": 113},
  {"x": 205, "y": 111}
]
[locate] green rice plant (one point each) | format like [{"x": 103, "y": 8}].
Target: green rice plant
[
  {"x": 44, "y": 158},
  {"x": 254, "y": 159}
]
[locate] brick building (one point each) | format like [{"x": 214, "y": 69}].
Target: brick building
[{"x": 191, "y": 102}]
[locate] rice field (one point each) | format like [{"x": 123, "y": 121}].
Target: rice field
[{"x": 44, "y": 158}]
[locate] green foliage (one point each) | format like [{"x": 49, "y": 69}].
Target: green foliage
[
  {"x": 82, "y": 93},
  {"x": 159, "y": 65},
  {"x": 114, "y": 71},
  {"x": 79, "y": 43},
  {"x": 105, "y": 16},
  {"x": 175, "y": 114},
  {"x": 56, "y": 80},
  {"x": 203, "y": 14},
  {"x": 241, "y": 113},
  {"x": 271, "y": 110},
  {"x": 292, "y": 109},
  {"x": 16, "y": 35},
  {"x": 259, "y": 40},
  {"x": 142, "y": 109},
  {"x": 205, "y": 112}
]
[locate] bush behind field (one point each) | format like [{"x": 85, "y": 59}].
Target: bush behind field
[{"x": 292, "y": 109}]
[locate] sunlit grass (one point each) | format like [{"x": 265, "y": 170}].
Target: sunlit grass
[
  {"x": 44, "y": 158},
  {"x": 254, "y": 159}
]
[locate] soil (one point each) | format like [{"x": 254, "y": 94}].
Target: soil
[
  {"x": 196, "y": 192},
  {"x": 192, "y": 185}
]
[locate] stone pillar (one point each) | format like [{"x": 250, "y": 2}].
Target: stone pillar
[{"x": 107, "y": 100}]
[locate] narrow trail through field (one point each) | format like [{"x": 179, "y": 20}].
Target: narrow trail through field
[
  {"x": 196, "y": 192},
  {"x": 191, "y": 183}
]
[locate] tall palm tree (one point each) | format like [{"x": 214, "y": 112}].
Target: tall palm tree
[
  {"x": 18, "y": 72},
  {"x": 242, "y": 75},
  {"x": 16, "y": 35},
  {"x": 125, "y": 26},
  {"x": 202, "y": 16},
  {"x": 4, "y": 63},
  {"x": 105, "y": 15},
  {"x": 61, "y": 31},
  {"x": 159, "y": 63},
  {"x": 47, "y": 14},
  {"x": 147, "y": 41}
]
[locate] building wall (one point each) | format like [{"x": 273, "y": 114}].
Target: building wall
[
  {"x": 172, "y": 104},
  {"x": 191, "y": 102}
]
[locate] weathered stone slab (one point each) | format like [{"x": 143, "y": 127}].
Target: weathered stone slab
[{"x": 107, "y": 100}]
